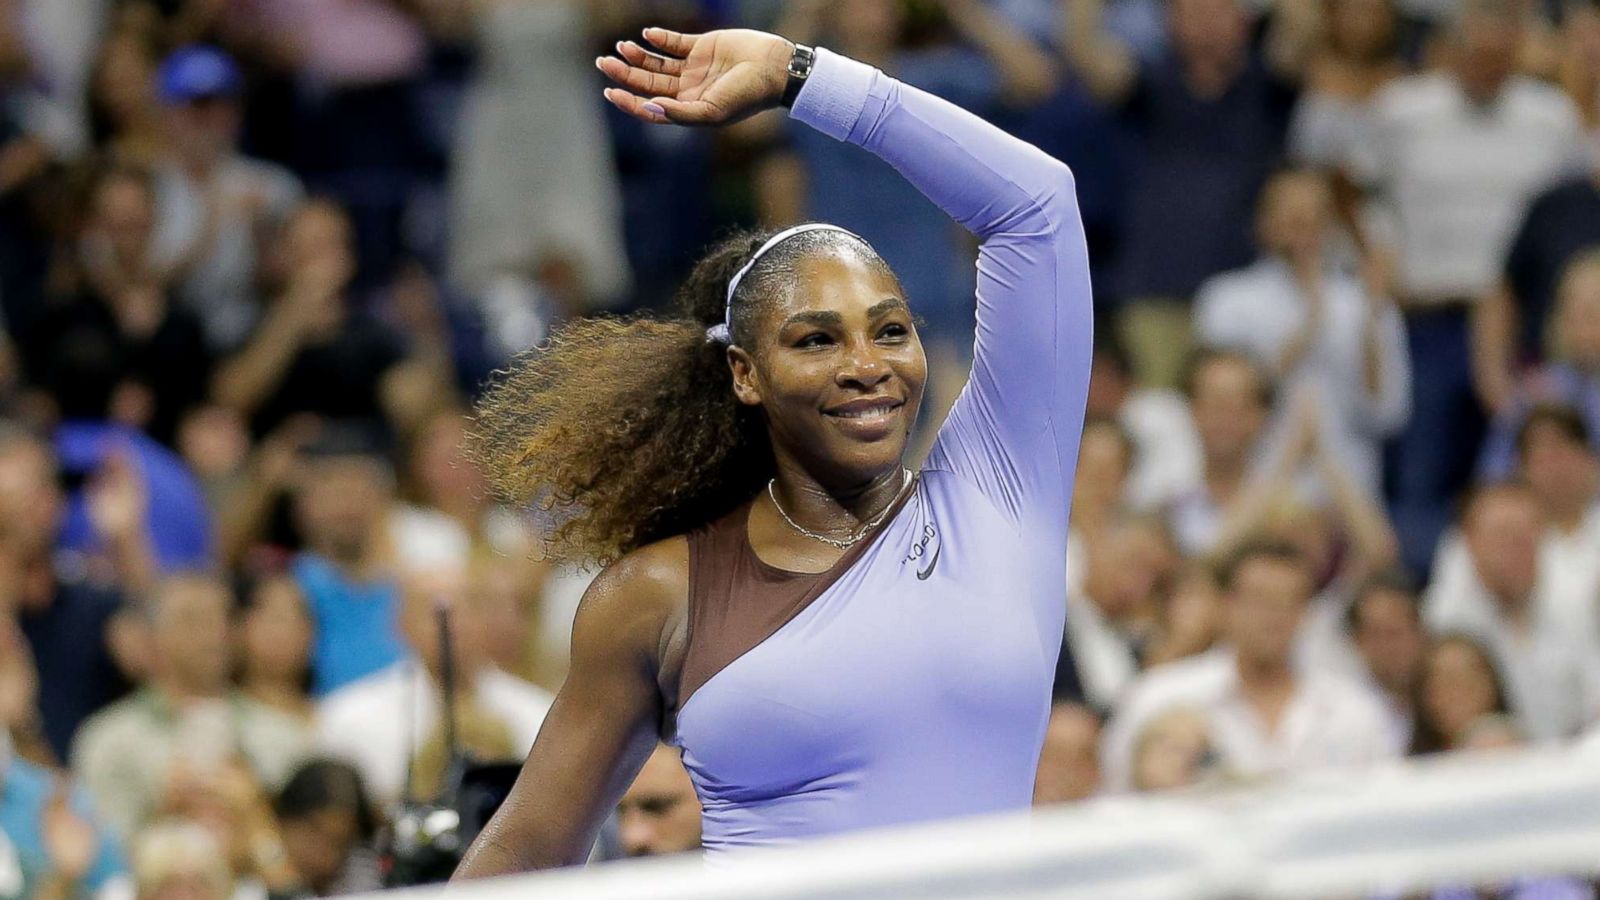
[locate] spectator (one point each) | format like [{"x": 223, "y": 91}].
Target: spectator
[
  {"x": 185, "y": 719},
  {"x": 1069, "y": 764},
  {"x": 179, "y": 860},
  {"x": 1459, "y": 686},
  {"x": 1386, "y": 627},
  {"x": 358, "y": 112},
  {"x": 155, "y": 352},
  {"x": 1359, "y": 54},
  {"x": 1174, "y": 751},
  {"x": 1188, "y": 618},
  {"x": 1229, "y": 398},
  {"x": 526, "y": 199},
  {"x": 1166, "y": 457},
  {"x": 230, "y": 803},
  {"x": 1099, "y": 491},
  {"x": 1491, "y": 586},
  {"x": 1313, "y": 326},
  {"x": 1209, "y": 117},
  {"x": 312, "y": 353},
  {"x": 124, "y": 119},
  {"x": 450, "y": 516},
  {"x": 1115, "y": 611},
  {"x": 660, "y": 813},
  {"x": 160, "y": 518},
  {"x": 275, "y": 646},
  {"x": 63, "y": 615},
  {"x": 510, "y": 591},
  {"x": 216, "y": 207},
  {"x": 345, "y": 570},
  {"x": 1453, "y": 158},
  {"x": 1562, "y": 469},
  {"x": 1264, "y": 715},
  {"x": 381, "y": 722},
  {"x": 1571, "y": 378},
  {"x": 1512, "y": 324},
  {"x": 63, "y": 851},
  {"x": 1344, "y": 540},
  {"x": 328, "y": 829}
]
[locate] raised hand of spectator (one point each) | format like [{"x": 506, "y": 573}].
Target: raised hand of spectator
[
  {"x": 117, "y": 500},
  {"x": 316, "y": 293},
  {"x": 70, "y": 840}
]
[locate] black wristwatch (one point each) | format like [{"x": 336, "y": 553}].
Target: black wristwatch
[{"x": 799, "y": 70}]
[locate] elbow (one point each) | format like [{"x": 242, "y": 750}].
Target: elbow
[{"x": 1058, "y": 201}]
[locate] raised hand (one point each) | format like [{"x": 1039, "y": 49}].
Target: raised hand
[{"x": 698, "y": 79}]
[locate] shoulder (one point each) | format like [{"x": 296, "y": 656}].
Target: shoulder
[
  {"x": 372, "y": 693},
  {"x": 1192, "y": 680},
  {"x": 1535, "y": 101},
  {"x": 112, "y": 726},
  {"x": 1233, "y": 288},
  {"x": 641, "y": 591},
  {"x": 1412, "y": 95},
  {"x": 1348, "y": 699}
]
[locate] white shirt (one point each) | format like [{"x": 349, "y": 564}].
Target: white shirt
[
  {"x": 1259, "y": 309},
  {"x": 1572, "y": 567},
  {"x": 1167, "y": 450},
  {"x": 1453, "y": 178},
  {"x": 1102, "y": 655},
  {"x": 365, "y": 722},
  {"x": 221, "y": 288},
  {"x": 1330, "y": 721},
  {"x": 1551, "y": 671}
]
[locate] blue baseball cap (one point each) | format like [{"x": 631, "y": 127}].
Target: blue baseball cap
[{"x": 197, "y": 72}]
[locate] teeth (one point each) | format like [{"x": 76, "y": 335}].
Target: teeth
[{"x": 865, "y": 413}]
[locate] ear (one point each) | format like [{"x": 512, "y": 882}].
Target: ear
[{"x": 746, "y": 381}]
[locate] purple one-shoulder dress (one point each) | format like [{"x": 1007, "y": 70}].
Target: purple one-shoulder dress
[{"x": 916, "y": 686}]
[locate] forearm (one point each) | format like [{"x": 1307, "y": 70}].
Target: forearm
[
  {"x": 1105, "y": 65},
  {"x": 1027, "y": 73},
  {"x": 1372, "y": 539},
  {"x": 243, "y": 382},
  {"x": 982, "y": 177},
  {"x": 1493, "y": 331}
]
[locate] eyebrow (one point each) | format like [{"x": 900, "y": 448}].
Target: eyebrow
[
  {"x": 828, "y": 317},
  {"x": 884, "y": 306}
]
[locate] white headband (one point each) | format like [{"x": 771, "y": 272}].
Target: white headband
[{"x": 722, "y": 332}]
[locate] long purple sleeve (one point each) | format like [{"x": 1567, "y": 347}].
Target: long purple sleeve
[{"x": 1015, "y": 429}]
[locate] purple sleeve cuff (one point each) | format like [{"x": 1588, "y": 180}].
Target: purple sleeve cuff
[{"x": 834, "y": 95}]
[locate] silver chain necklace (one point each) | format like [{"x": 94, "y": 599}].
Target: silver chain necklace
[{"x": 841, "y": 543}]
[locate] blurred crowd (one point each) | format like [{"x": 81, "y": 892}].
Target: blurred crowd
[{"x": 1338, "y": 498}]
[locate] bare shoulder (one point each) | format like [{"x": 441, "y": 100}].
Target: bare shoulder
[{"x": 637, "y": 602}]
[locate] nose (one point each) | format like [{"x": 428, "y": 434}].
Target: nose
[
  {"x": 635, "y": 834},
  {"x": 863, "y": 367}
]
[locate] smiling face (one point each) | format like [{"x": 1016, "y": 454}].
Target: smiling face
[{"x": 837, "y": 368}]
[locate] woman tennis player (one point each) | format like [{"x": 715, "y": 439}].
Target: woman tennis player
[{"x": 833, "y": 642}]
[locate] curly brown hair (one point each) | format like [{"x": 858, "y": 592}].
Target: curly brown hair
[{"x": 627, "y": 428}]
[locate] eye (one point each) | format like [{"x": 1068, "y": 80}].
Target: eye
[
  {"x": 893, "y": 331},
  {"x": 814, "y": 339}
]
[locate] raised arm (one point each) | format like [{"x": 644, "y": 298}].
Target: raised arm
[{"x": 1015, "y": 429}]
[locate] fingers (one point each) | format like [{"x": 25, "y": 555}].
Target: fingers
[
  {"x": 651, "y": 112},
  {"x": 673, "y": 42},
  {"x": 650, "y": 62},
  {"x": 635, "y": 79}
]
